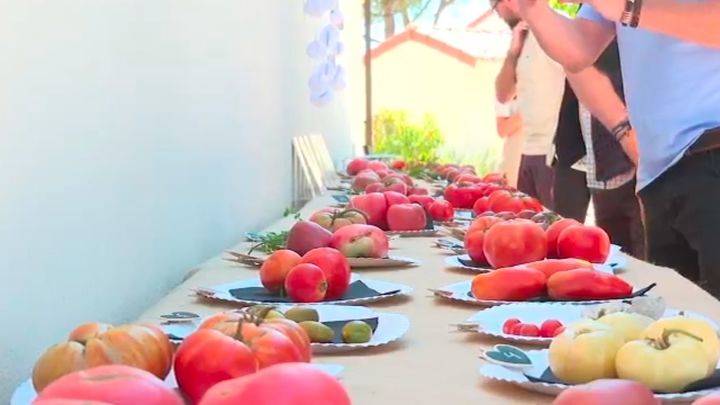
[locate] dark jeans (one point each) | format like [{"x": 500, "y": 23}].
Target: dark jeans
[
  {"x": 535, "y": 179},
  {"x": 682, "y": 219},
  {"x": 570, "y": 193},
  {"x": 617, "y": 211}
]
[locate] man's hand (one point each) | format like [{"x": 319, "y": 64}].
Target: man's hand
[
  {"x": 518, "y": 39},
  {"x": 524, "y": 7},
  {"x": 629, "y": 145},
  {"x": 610, "y": 9}
]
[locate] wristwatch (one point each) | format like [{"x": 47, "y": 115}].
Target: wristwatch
[{"x": 631, "y": 14}]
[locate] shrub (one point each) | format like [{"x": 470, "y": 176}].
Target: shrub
[{"x": 394, "y": 133}]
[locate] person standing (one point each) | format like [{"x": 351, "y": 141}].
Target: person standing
[
  {"x": 509, "y": 126},
  {"x": 677, "y": 121},
  {"x": 570, "y": 191},
  {"x": 537, "y": 82}
]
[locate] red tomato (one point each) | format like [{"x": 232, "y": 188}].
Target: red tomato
[
  {"x": 336, "y": 268},
  {"x": 276, "y": 267},
  {"x": 481, "y": 205},
  {"x": 504, "y": 201},
  {"x": 406, "y": 217},
  {"x": 374, "y": 188},
  {"x": 462, "y": 197},
  {"x": 377, "y": 165},
  {"x": 514, "y": 242},
  {"x": 113, "y": 384},
  {"x": 498, "y": 178},
  {"x": 509, "y": 324},
  {"x": 491, "y": 188},
  {"x": 549, "y": 328},
  {"x": 419, "y": 191},
  {"x": 356, "y": 166},
  {"x": 468, "y": 178},
  {"x": 584, "y": 242},
  {"x": 605, "y": 392},
  {"x": 374, "y": 205},
  {"x": 284, "y": 384},
  {"x": 394, "y": 198},
  {"x": 553, "y": 232},
  {"x": 509, "y": 284},
  {"x": 425, "y": 200},
  {"x": 529, "y": 330},
  {"x": 399, "y": 164},
  {"x": 587, "y": 284},
  {"x": 442, "y": 211},
  {"x": 476, "y": 235},
  {"x": 207, "y": 357},
  {"x": 270, "y": 345},
  {"x": 306, "y": 283},
  {"x": 515, "y": 330},
  {"x": 532, "y": 204}
]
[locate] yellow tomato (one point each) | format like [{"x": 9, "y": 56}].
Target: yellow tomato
[
  {"x": 628, "y": 324},
  {"x": 585, "y": 352},
  {"x": 667, "y": 364},
  {"x": 694, "y": 326}
]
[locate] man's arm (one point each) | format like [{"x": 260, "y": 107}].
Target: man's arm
[
  {"x": 505, "y": 80},
  {"x": 508, "y": 126},
  {"x": 697, "y": 21},
  {"x": 575, "y": 44},
  {"x": 596, "y": 92},
  {"x": 692, "y": 21}
]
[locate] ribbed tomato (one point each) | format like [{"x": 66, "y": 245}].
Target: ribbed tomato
[
  {"x": 113, "y": 384},
  {"x": 95, "y": 344},
  {"x": 514, "y": 242},
  {"x": 283, "y": 384}
]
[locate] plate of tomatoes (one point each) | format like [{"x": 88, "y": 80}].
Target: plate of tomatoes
[
  {"x": 527, "y": 323},
  {"x": 522, "y": 284}
]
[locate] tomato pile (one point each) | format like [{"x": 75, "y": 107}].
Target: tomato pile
[
  {"x": 549, "y": 328},
  {"x": 259, "y": 355}
]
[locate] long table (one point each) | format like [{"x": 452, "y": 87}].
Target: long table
[{"x": 432, "y": 364}]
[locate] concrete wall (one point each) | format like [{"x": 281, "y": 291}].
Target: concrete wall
[{"x": 134, "y": 136}]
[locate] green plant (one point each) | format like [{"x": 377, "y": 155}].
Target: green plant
[
  {"x": 395, "y": 133},
  {"x": 569, "y": 9}
]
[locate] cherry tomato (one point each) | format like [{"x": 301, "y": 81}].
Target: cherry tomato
[
  {"x": 529, "y": 330},
  {"x": 549, "y": 327},
  {"x": 509, "y": 324}
]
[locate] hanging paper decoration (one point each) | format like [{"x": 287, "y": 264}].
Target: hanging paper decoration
[
  {"x": 327, "y": 76},
  {"x": 317, "y": 8}
]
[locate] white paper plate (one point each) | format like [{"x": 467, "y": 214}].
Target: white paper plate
[
  {"x": 461, "y": 292},
  {"x": 418, "y": 233},
  {"x": 222, "y": 292},
  {"x": 540, "y": 364},
  {"x": 491, "y": 320},
  {"x": 615, "y": 261},
  {"x": 373, "y": 263},
  {"x": 25, "y": 393},
  {"x": 390, "y": 328}
]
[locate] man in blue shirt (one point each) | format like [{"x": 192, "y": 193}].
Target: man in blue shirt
[{"x": 670, "y": 56}]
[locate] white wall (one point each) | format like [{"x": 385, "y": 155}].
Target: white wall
[{"x": 134, "y": 135}]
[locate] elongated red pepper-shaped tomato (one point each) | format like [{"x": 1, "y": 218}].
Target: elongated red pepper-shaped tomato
[
  {"x": 586, "y": 284},
  {"x": 509, "y": 284}
]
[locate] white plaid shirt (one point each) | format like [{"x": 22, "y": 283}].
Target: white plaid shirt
[{"x": 587, "y": 163}]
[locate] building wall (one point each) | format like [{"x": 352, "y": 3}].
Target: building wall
[
  {"x": 419, "y": 79},
  {"x": 134, "y": 138}
]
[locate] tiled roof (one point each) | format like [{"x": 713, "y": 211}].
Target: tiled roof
[{"x": 488, "y": 37}]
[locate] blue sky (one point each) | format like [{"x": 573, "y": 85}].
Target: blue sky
[{"x": 461, "y": 13}]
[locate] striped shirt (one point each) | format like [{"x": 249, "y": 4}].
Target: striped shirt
[{"x": 587, "y": 163}]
